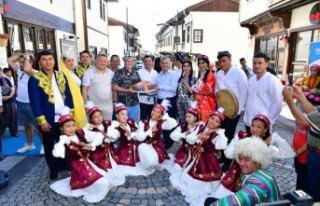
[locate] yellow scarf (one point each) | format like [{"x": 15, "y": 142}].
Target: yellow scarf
[{"x": 78, "y": 103}]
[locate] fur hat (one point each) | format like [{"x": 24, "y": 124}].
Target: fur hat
[
  {"x": 219, "y": 113},
  {"x": 91, "y": 108},
  {"x": 165, "y": 104},
  {"x": 255, "y": 149},
  {"x": 65, "y": 116}
]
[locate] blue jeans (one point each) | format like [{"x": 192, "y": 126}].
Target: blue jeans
[
  {"x": 313, "y": 184},
  {"x": 134, "y": 112}
]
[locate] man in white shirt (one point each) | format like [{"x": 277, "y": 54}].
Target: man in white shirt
[
  {"x": 178, "y": 63},
  {"x": 264, "y": 94},
  {"x": 25, "y": 115},
  {"x": 147, "y": 74},
  {"x": 230, "y": 77},
  {"x": 97, "y": 87},
  {"x": 167, "y": 81}
]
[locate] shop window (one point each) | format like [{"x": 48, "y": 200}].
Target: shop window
[
  {"x": 40, "y": 39},
  {"x": 49, "y": 40},
  {"x": 104, "y": 51},
  {"x": 28, "y": 36},
  {"x": 15, "y": 42},
  {"x": 93, "y": 51},
  {"x": 197, "y": 35},
  {"x": 301, "y": 57},
  {"x": 316, "y": 36}
]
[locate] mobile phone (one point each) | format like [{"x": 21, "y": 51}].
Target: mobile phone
[{"x": 290, "y": 79}]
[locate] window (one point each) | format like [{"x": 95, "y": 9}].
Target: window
[
  {"x": 104, "y": 51},
  {"x": 49, "y": 38},
  {"x": 89, "y": 4},
  {"x": 15, "y": 41},
  {"x": 197, "y": 35},
  {"x": 301, "y": 57},
  {"x": 28, "y": 39},
  {"x": 40, "y": 39},
  {"x": 93, "y": 51},
  {"x": 102, "y": 10},
  {"x": 188, "y": 34},
  {"x": 183, "y": 36}
]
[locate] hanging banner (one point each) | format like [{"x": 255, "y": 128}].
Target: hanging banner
[{"x": 314, "y": 53}]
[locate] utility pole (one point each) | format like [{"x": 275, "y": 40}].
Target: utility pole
[{"x": 127, "y": 32}]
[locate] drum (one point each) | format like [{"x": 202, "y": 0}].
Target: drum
[
  {"x": 229, "y": 102},
  {"x": 144, "y": 87}
]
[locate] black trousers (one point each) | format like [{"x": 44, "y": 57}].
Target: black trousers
[
  {"x": 49, "y": 139},
  {"x": 9, "y": 118},
  {"x": 145, "y": 111},
  {"x": 172, "y": 112},
  {"x": 230, "y": 126},
  {"x": 302, "y": 174}
]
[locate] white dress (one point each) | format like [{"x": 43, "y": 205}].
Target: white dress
[
  {"x": 115, "y": 173},
  {"x": 93, "y": 193},
  {"x": 137, "y": 170},
  {"x": 149, "y": 157},
  {"x": 196, "y": 191}
]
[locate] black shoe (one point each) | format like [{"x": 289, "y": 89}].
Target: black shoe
[
  {"x": 226, "y": 166},
  {"x": 53, "y": 175},
  {"x": 14, "y": 135},
  {"x": 1, "y": 157}
]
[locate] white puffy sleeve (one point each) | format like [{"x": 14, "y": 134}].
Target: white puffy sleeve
[
  {"x": 112, "y": 132},
  {"x": 168, "y": 123},
  {"x": 280, "y": 148},
  {"x": 229, "y": 151},
  {"x": 176, "y": 134},
  {"x": 141, "y": 134},
  {"x": 221, "y": 141},
  {"x": 192, "y": 137},
  {"x": 96, "y": 139},
  {"x": 59, "y": 149},
  {"x": 133, "y": 135}
]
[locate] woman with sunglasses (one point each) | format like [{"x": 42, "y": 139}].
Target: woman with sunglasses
[{"x": 204, "y": 89}]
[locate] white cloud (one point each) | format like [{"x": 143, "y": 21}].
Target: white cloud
[{"x": 146, "y": 14}]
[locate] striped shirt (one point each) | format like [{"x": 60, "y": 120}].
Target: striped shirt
[{"x": 258, "y": 187}]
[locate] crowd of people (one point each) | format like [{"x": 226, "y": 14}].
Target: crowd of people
[{"x": 94, "y": 121}]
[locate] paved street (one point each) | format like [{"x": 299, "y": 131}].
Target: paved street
[{"x": 32, "y": 189}]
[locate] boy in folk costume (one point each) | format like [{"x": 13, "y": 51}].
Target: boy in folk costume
[
  {"x": 203, "y": 174},
  {"x": 260, "y": 129},
  {"x": 152, "y": 150},
  {"x": 257, "y": 183},
  {"x": 86, "y": 179},
  {"x": 105, "y": 156}
]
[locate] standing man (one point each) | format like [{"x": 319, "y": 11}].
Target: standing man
[
  {"x": 84, "y": 64},
  {"x": 25, "y": 115},
  {"x": 147, "y": 74},
  {"x": 230, "y": 77},
  {"x": 311, "y": 118},
  {"x": 122, "y": 82},
  {"x": 167, "y": 82},
  {"x": 48, "y": 92},
  {"x": 264, "y": 93},
  {"x": 178, "y": 63},
  {"x": 114, "y": 63},
  {"x": 270, "y": 68},
  {"x": 97, "y": 87},
  {"x": 247, "y": 70}
]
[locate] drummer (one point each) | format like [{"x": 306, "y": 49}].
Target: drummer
[
  {"x": 147, "y": 74},
  {"x": 122, "y": 82},
  {"x": 234, "y": 79},
  {"x": 264, "y": 94}
]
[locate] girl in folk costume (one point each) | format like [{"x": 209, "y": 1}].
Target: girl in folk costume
[
  {"x": 105, "y": 156},
  {"x": 203, "y": 174},
  {"x": 86, "y": 178},
  {"x": 260, "y": 128},
  {"x": 152, "y": 150},
  {"x": 124, "y": 129},
  {"x": 186, "y": 151},
  {"x": 204, "y": 89}
]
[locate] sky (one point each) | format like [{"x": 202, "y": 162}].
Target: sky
[{"x": 146, "y": 14}]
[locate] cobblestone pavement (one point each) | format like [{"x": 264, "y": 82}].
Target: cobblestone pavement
[{"x": 33, "y": 188}]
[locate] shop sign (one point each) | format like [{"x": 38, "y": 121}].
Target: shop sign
[
  {"x": 314, "y": 53},
  {"x": 315, "y": 14}
]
